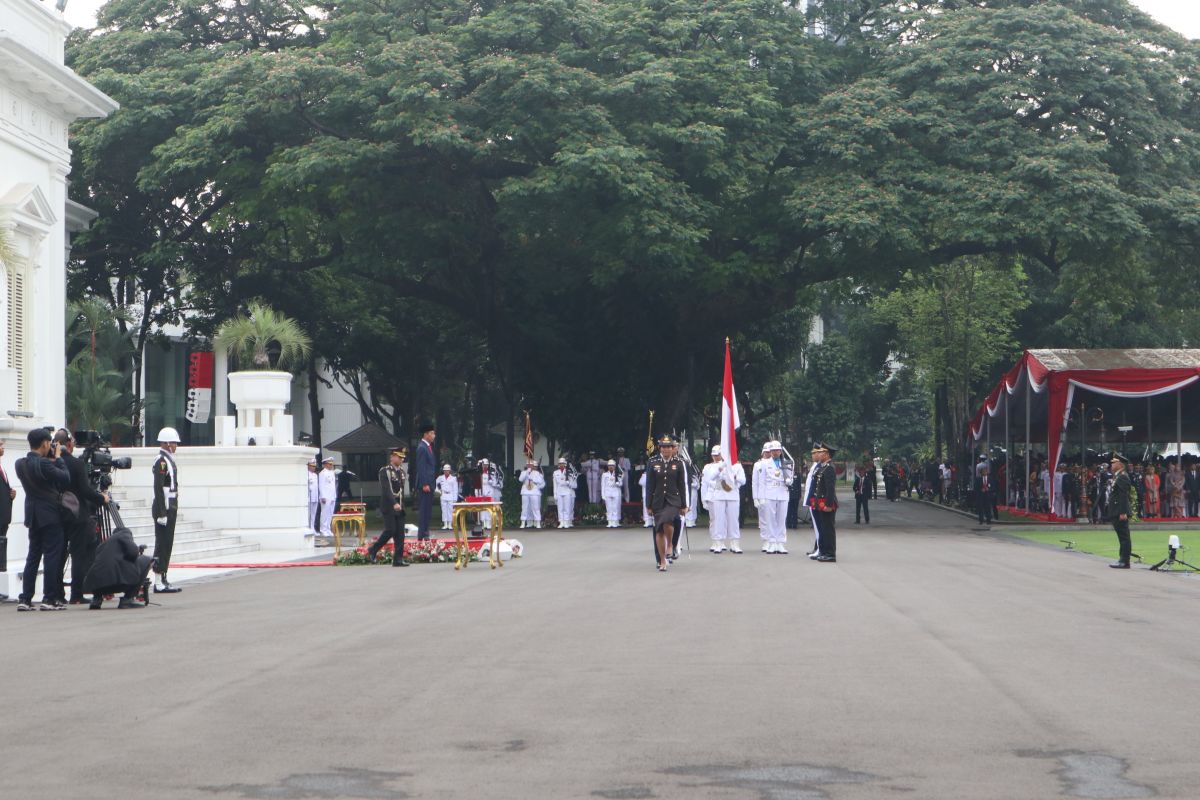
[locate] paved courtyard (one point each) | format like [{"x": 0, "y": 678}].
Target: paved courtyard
[{"x": 930, "y": 662}]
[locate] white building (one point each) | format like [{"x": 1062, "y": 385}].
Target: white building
[{"x": 39, "y": 98}]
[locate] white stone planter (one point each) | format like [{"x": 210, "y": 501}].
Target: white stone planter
[{"x": 261, "y": 398}]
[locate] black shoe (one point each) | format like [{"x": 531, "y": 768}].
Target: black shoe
[
  {"x": 167, "y": 589},
  {"x": 829, "y": 559},
  {"x": 400, "y": 563},
  {"x": 129, "y": 602},
  {"x": 76, "y": 601},
  {"x": 97, "y": 601},
  {"x": 1120, "y": 565},
  {"x": 371, "y": 555}
]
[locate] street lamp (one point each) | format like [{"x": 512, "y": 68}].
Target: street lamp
[{"x": 1124, "y": 429}]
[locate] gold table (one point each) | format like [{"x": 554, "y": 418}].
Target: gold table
[
  {"x": 460, "y": 523},
  {"x": 351, "y": 518}
]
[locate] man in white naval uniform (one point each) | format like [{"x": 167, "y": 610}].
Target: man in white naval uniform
[
  {"x": 532, "y": 484},
  {"x": 564, "y": 494},
  {"x": 610, "y": 490},
  {"x": 762, "y": 519},
  {"x": 314, "y": 495},
  {"x": 625, "y": 467},
  {"x": 591, "y": 471},
  {"x": 327, "y": 494},
  {"x": 490, "y": 485},
  {"x": 770, "y": 489},
  {"x": 447, "y": 489},
  {"x": 721, "y": 485}
]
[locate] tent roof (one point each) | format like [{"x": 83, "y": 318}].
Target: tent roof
[
  {"x": 1135, "y": 358},
  {"x": 368, "y": 438}
]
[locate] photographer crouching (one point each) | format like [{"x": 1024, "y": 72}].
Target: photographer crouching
[{"x": 82, "y": 535}]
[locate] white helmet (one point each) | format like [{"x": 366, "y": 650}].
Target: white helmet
[
  {"x": 716, "y": 451},
  {"x": 168, "y": 435},
  {"x": 445, "y": 467}
]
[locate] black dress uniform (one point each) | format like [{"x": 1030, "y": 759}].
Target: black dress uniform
[
  {"x": 1118, "y": 506},
  {"x": 666, "y": 492},
  {"x": 391, "y": 493},
  {"x": 166, "y": 508},
  {"x": 822, "y": 499}
]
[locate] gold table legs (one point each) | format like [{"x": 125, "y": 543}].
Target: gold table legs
[{"x": 460, "y": 524}]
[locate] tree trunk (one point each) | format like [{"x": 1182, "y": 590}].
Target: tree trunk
[{"x": 314, "y": 406}]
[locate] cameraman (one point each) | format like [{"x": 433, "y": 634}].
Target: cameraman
[
  {"x": 83, "y": 534},
  {"x": 44, "y": 477}
]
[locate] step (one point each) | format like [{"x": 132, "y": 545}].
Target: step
[{"x": 215, "y": 554}]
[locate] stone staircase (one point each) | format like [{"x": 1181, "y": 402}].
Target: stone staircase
[{"x": 193, "y": 542}]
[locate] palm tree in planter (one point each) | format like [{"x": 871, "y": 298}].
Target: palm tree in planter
[{"x": 263, "y": 344}]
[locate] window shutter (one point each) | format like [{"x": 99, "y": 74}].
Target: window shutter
[{"x": 16, "y": 329}]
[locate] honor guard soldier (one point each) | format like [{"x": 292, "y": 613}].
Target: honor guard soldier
[
  {"x": 1120, "y": 509},
  {"x": 564, "y": 494},
  {"x": 771, "y": 483},
  {"x": 722, "y": 483},
  {"x": 327, "y": 494},
  {"x": 610, "y": 490},
  {"x": 822, "y": 500},
  {"x": 447, "y": 488},
  {"x": 666, "y": 493},
  {"x": 314, "y": 496},
  {"x": 393, "y": 481},
  {"x": 591, "y": 470},
  {"x": 625, "y": 468},
  {"x": 532, "y": 484},
  {"x": 166, "y": 507}
]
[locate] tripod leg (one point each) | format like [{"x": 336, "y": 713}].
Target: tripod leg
[{"x": 1157, "y": 566}]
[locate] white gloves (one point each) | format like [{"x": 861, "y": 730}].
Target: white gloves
[{"x": 161, "y": 520}]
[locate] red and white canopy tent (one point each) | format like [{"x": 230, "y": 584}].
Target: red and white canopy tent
[{"x": 1157, "y": 392}]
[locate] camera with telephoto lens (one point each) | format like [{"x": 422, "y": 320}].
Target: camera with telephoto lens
[{"x": 99, "y": 460}]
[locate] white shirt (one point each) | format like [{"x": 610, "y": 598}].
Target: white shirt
[
  {"x": 535, "y": 477},
  {"x": 313, "y": 492},
  {"x": 769, "y": 482},
  {"x": 610, "y": 484},
  {"x": 327, "y": 485},
  {"x": 561, "y": 484},
  {"x": 447, "y": 486},
  {"x": 714, "y": 472}
]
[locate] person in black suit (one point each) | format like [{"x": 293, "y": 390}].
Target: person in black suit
[
  {"x": 862, "y": 496},
  {"x": 391, "y": 508},
  {"x": 1119, "y": 509},
  {"x": 822, "y": 499},
  {"x": 83, "y": 535},
  {"x": 44, "y": 477},
  {"x": 1191, "y": 487},
  {"x": 7, "y": 495},
  {"x": 983, "y": 495},
  {"x": 426, "y": 477},
  {"x": 119, "y": 566}
]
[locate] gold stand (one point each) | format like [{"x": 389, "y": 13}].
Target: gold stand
[
  {"x": 461, "y": 512},
  {"x": 352, "y": 518}
]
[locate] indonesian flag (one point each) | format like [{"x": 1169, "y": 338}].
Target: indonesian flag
[
  {"x": 528, "y": 437},
  {"x": 729, "y": 414}
]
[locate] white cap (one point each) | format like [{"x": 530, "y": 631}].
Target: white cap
[
  {"x": 775, "y": 445},
  {"x": 484, "y": 461},
  {"x": 612, "y": 463},
  {"x": 312, "y": 462},
  {"x": 562, "y": 462},
  {"x": 716, "y": 451},
  {"x": 766, "y": 446},
  {"x": 445, "y": 467},
  {"x": 327, "y": 460},
  {"x": 167, "y": 435}
]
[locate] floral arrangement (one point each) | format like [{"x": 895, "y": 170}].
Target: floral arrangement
[{"x": 429, "y": 551}]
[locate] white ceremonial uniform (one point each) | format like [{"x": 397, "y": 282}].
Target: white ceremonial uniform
[
  {"x": 770, "y": 491},
  {"x": 647, "y": 520},
  {"x": 694, "y": 492},
  {"x": 592, "y": 470},
  {"x": 532, "y": 484},
  {"x": 564, "y": 497},
  {"x": 723, "y": 504},
  {"x": 488, "y": 488},
  {"x": 447, "y": 488},
  {"x": 314, "y": 500},
  {"x": 610, "y": 490},
  {"x": 1060, "y": 507},
  {"x": 327, "y": 493},
  {"x": 624, "y": 467}
]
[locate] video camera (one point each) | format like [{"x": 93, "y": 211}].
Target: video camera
[{"x": 99, "y": 460}]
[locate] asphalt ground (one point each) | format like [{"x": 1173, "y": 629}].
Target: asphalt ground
[{"x": 929, "y": 662}]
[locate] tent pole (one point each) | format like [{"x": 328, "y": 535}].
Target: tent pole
[
  {"x": 1027, "y": 481},
  {"x": 1149, "y": 429},
  {"x": 1179, "y": 428},
  {"x": 1007, "y": 450}
]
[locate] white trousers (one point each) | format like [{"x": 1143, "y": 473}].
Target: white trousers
[
  {"x": 612, "y": 507},
  {"x": 447, "y": 512},
  {"x": 566, "y": 508},
  {"x": 531, "y": 508},
  {"x": 773, "y": 515},
  {"x": 690, "y": 521},
  {"x": 327, "y": 518},
  {"x": 723, "y": 520},
  {"x": 593, "y": 484},
  {"x": 313, "y": 505}
]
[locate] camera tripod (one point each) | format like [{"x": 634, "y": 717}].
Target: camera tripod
[{"x": 1172, "y": 563}]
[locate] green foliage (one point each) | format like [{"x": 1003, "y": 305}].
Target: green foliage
[
  {"x": 99, "y": 378},
  {"x": 248, "y": 339}
]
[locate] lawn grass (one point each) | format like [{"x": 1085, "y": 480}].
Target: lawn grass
[{"x": 1151, "y": 545}]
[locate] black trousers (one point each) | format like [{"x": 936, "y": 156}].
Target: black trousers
[
  {"x": 861, "y": 506},
  {"x": 1122, "y": 529},
  {"x": 983, "y": 506},
  {"x": 45, "y": 544},
  {"x": 164, "y": 541},
  {"x": 1193, "y": 504},
  {"x": 827, "y": 531},
  {"x": 393, "y": 529},
  {"x": 82, "y": 541},
  {"x": 424, "y": 512},
  {"x": 3, "y": 548}
]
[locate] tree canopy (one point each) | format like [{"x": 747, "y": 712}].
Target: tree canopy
[{"x": 566, "y": 206}]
